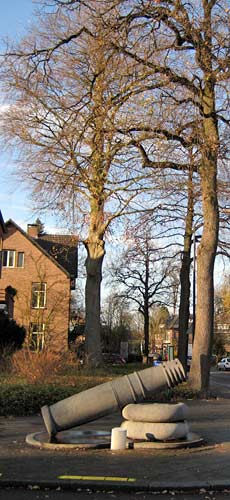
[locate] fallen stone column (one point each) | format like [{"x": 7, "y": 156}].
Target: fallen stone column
[{"x": 109, "y": 397}]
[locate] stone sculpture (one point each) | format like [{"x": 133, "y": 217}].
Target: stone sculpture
[{"x": 106, "y": 398}]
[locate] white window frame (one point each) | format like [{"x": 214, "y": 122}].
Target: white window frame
[
  {"x": 38, "y": 298},
  {"x": 8, "y": 254},
  {"x": 37, "y": 337}
]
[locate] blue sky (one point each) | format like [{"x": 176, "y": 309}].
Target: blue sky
[
  {"x": 15, "y": 203},
  {"x": 15, "y": 16}
]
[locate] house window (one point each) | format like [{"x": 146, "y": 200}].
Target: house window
[
  {"x": 12, "y": 259},
  {"x": 37, "y": 337},
  {"x": 38, "y": 295},
  {"x": 8, "y": 258},
  {"x": 20, "y": 259}
]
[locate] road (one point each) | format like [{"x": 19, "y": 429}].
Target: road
[
  {"x": 21, "y": 494},
  {"x": 220, "y": 383}
]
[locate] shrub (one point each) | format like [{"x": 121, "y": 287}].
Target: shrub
[
  {"x": 23, "y": 400},
  {"x": 37, "y": 366},
  {"x": 5, "y": 361},
  {"x": 12, "y": 336}
]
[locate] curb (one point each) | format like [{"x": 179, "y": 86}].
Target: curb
[{"x": 152, "y": 487}]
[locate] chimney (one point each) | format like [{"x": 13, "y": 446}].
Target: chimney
[{"x": 32, "y": 230}]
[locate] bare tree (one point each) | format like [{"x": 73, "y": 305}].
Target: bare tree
[
  {"x": 144, "y": 274},
  {"x": 186, "y": 49},
  {"x": 65, "y": 86},
  {"x": 116, "y": 322},
  {"x": 186, "y": 45},
  {"x": 176, "y": 57}
]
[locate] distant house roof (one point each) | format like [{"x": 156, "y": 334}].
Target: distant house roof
[
  {"x": 172, "y": 322},
  {"x": 61, "y": 249}
]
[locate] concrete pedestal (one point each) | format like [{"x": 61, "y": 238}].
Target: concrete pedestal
[
  {"x": 155, "y": 431},
  {"x": 156, "y": 412}
]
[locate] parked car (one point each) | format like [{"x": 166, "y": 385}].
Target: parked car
[
  {"x": 224, "y": 364},
  {"x": 157, "y": 360}
]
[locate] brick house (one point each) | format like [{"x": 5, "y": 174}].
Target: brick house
[
  {"x": 2, "y": 232},
  {"x": 6, "y": 300},
  {"x": 42, "y": 270},
  {"x": 168, "y": 335}
]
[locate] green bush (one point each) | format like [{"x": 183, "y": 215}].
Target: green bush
[{"x": 24, "y": 400}]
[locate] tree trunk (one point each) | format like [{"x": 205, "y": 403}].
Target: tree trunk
[
  {"x": 184, "y": 307},
  {"x": 202, "y": 347},
  {"x": 95, "y": 255},
  {"x": 146, "y": 302},
  {"x": 185, "y": 278},
  {"x": 93, "y": 265},
  {"x": 146, "y": 330}
]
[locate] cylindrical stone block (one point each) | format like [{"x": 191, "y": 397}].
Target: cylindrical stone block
[
  {"x": 149, "y": 431},
  {"x": 111, "y": 396},
  {"x": 156, "y": 412},
  {"x": 118, "y": 438}
]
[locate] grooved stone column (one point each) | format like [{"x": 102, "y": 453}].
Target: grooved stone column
[{"x": 111, "y": 396}]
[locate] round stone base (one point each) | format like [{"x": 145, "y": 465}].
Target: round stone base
[
  {"x": 101, "y": 440},
  {"x": 192, "y": 440},
  {"x": 71, "y": 439}
]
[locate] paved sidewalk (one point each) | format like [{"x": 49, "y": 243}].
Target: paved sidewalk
[{"x": 153, "y": 470}]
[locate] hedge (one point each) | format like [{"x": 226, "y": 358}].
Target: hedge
[{"x": 24, "y": 400}]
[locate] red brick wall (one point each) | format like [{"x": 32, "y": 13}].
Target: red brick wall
[
  {"x": 38, "y": 267},
  {"x": 1, "y": 238}
]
